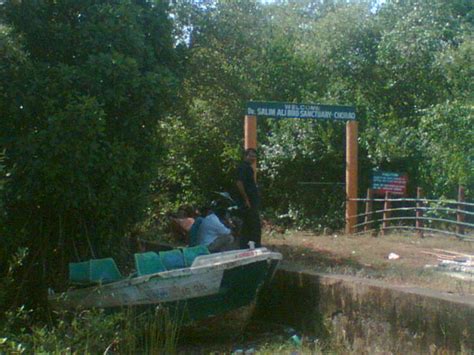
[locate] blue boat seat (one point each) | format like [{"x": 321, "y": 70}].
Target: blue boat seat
[
  {"x": 172, "y": 259},
  {"x": 148, "y": 263},
  {"x": 192, "y": 253},
  {"x": 94, "y": 271}
]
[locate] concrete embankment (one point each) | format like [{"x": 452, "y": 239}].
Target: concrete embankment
[{"x": 366, "y": 315}]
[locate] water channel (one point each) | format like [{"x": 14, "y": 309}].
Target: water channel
[{"x": 308, "y": 312}]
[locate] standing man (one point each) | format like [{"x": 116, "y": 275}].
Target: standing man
[{"x": 249, "y": 197}]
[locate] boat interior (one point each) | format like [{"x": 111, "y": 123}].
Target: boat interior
[{"x": 105, "y": 270}]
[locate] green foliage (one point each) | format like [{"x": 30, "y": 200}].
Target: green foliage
[
  {"x": 414, "y": 36},
  {"x": 447, "y": 135},
  {"x": 397, "y": 62},
  {"x": 195, "y": 153},
  {"x": 202, "y": 140},
  {"x": 91, "y": 332},
  {"x": 10, "y": 265},
  {"x": 84, "y": 85},
  {"x": 458, "y": 68},
  {"x": 345, "y": 51},
  {"x": 407, "y": 52},
  {"x": 3, "y": 178},
  {"x": 294, "y": 156}
]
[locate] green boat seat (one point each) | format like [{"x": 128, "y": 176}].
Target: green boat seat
[
  {"x": 192, "y": 253},
  {"x": 172, "y": 259},
  {"x": 94, "y": 271},
  {"x": 148, "y": 263}
]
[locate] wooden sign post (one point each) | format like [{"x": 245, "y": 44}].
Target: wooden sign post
[
  {"x": 250, "y": 134},
  {"x": 313, "y": 111},
  {"x": 351, "y": 175},
  {"x": 250, "y": 128}
]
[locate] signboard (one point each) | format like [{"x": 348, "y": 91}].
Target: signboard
[
  {"x": 394, "y": 183},
  {"x": 292, "y": 110}
]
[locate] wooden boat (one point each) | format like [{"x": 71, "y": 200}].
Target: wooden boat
[{"x": 202, "y": 284}]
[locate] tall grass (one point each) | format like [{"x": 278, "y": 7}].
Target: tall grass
[
  {"x": 127, "y": 331},
  {"x": 152, "y": 332}
]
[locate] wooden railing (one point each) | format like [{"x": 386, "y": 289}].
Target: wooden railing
[{"x": 450, "y": 217}]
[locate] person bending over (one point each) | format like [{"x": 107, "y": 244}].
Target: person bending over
[{"x": 214, "y": 234}]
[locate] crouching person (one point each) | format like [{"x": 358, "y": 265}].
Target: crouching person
[{"x": 214, "y": 234}]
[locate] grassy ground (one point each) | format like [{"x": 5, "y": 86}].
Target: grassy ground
[{"x": 367, "y": 256}]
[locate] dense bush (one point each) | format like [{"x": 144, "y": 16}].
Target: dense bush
[
  {"x": 83, "y": 87},
  {"x": 90, "y": 332}
]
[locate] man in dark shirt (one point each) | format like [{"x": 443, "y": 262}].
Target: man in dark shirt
[{"x": 249, "y": 198}]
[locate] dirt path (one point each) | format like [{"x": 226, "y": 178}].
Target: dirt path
[{"x": 367, "y": 256}]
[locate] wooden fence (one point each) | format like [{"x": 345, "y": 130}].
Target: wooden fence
[{"x": 450, "y": 217}]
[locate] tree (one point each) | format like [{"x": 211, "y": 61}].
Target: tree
[
  {"x": 415, "y": 34},
  {"x": 84, "y": 85},
  {"x": 446, "y": 136},
  {"x": 203, "y": 139}
]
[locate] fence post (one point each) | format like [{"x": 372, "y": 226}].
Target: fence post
[
  {"x": 460, "y": 216},
  {"x": 419, "y": 212},
  {"x": 368, "y": 210},
  {"x": 386, "y": 213}
]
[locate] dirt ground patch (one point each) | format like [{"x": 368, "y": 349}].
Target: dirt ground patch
[{"x": 367, "y": 256}]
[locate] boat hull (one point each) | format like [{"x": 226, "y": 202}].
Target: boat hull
[{"x": 215, "y": 284}]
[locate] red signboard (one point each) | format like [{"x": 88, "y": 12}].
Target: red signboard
[{"x": 394, "y": 183}]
